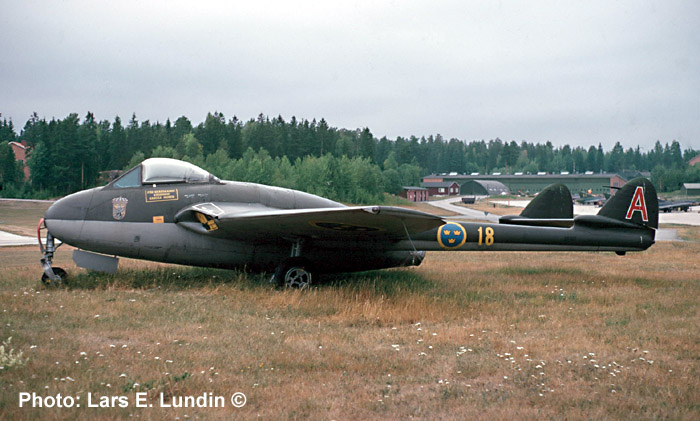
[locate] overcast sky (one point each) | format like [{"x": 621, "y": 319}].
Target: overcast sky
[{"x": 568, "y": 72}]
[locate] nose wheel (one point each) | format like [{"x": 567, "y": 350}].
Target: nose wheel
[
  {"x": 49, "y": 281},
  {"x": 52, "y": 276}
]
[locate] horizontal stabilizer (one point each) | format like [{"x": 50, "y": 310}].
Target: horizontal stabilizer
[
  {"x": 597, "y": 221},
  {"x": 536, "y": 222}
]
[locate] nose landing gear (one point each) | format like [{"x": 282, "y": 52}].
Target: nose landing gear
[{"x": 52, "y": 276}]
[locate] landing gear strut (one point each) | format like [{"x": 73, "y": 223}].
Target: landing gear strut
[{"x": 52, "y": 276}]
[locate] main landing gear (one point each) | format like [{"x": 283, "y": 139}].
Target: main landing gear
[
  {"x": 294, "y": 271},
  {"x": 52, "y": 276}
]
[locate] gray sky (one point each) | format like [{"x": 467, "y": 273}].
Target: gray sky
[{"x": 569, "y": 72}]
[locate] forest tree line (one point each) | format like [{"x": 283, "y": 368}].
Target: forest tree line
[{"x": 348, "y": 165}]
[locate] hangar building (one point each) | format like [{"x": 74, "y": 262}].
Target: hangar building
[{"x": 484, "y": 188}]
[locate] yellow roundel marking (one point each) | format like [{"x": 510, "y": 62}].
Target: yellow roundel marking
[{"x": 451, "y": 236}]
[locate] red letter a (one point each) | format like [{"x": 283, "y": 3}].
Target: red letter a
[{"x": 638, "y": 204}]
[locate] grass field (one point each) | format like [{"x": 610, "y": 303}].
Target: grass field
[
  {"x": 21, "y": 218},
  {"x": 465, "y": 335}
]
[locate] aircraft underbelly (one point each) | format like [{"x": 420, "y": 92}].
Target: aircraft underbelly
[
  {"x": 161, "y": 242},
  {"x": 171, "y": 243}
]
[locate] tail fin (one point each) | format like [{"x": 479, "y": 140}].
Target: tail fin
[
  {"x": 553, "y": 207},
  {"x": 552, "y": 202},
  {"x": 635, "y": 202}
]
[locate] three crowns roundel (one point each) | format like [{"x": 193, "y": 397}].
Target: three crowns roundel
[{"x": 451, "y": 236}]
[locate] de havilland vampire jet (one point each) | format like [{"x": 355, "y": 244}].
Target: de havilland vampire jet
[{"x": 172, "y": 211}]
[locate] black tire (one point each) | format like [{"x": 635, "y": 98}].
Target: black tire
[
  {"x": 295, "y": 272},
  {"x": 52, "y": 284}
]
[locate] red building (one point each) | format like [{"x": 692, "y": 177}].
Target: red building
[
  {"x": 414, "y": 194},
  {"x": 442, "y": 188},
  {"x": 21, "y": 155}
]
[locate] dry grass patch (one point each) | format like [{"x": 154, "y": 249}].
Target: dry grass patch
[{"x": 21, "y": 217}]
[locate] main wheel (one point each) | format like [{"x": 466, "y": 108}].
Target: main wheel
[
  {"x": 297, "y": 277},
  {"x": 62, "y": 274},
  {"x": 294, "y": 273}
]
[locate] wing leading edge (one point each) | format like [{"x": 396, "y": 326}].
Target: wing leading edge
[{"x": 258, "y": 223}]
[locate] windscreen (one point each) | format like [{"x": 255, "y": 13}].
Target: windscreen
[{"x": 130, "y": 179}]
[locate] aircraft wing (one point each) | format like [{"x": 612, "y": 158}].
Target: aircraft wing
[
  {"x": 669, "y": 205},
  {"x": 255, "y": 222}
]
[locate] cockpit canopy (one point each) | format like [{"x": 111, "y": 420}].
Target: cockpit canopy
[{"x": 164, "y": 171}]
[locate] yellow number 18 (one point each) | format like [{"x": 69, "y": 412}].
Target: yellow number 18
[{"x": 489, "y": 236}]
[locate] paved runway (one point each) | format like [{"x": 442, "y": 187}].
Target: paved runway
[
  {"x": 7, "y": 239},
  {"x": 448, "y": 204}
]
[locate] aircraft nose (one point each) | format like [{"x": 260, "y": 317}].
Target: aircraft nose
[
  {"x": 71, "y": 207},
  {"x": 64, "y": 218}
]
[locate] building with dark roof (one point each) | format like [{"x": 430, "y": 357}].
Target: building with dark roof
[{"x": 442, "y": 188}]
